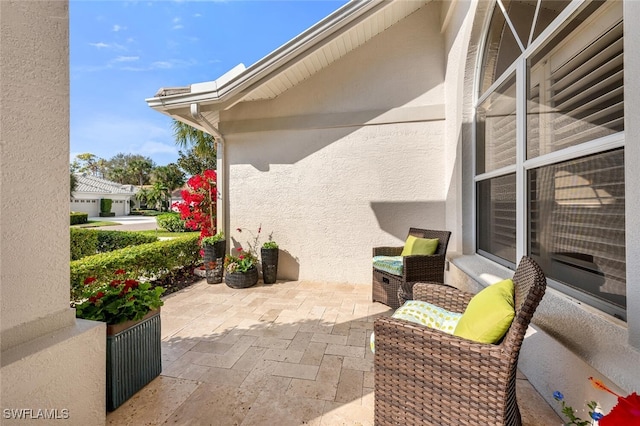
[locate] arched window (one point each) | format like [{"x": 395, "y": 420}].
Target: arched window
[{"x": 549, "y": 132}]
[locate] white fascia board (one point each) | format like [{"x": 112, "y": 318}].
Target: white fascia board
[{"x": 211, "y": 92}]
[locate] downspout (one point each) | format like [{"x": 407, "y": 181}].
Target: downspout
[{"x": 220, "y": 165}]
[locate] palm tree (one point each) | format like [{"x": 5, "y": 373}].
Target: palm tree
[{"x": 188, "y": 136}]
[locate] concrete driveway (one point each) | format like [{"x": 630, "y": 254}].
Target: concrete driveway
[{"x": 128, "y": 223}]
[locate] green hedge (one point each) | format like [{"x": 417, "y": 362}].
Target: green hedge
[
  {"x": 105, "y": 205},
  {"x": 171, "y": 222},
  {"x": 84, "y": 242},
  {"x": 115, "y": 240},
  {"x": 147, "y": 261},
  {"x": 78, "y": 218},
  {"x": 87, "y": 242}
]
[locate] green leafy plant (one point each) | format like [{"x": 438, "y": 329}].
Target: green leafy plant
[
  {"x": 240, "y": 262},
  {"x": 117, "y": 298},
  {"x": 211, "y": 240},
  {"x": 270, "y": 245},
  {"x": 171, "y": 222},
  {"x": 570, "y": 413}
]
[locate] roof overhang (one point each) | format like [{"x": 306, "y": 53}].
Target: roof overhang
[{"x": 313, "y": 50}]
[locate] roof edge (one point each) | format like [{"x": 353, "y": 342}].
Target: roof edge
[{"x": 212, "y": 92}]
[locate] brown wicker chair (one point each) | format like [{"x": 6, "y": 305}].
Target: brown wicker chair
[
  {"x": 426, "y": 377},
  {"x": 393, "y": 290}
]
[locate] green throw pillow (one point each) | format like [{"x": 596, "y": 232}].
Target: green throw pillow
[
  {"x": 423, "y": 246},
  {"x": 489, "y": 314}
]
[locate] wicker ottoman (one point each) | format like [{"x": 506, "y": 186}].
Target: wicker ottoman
[{"x": 385, "y": 288}]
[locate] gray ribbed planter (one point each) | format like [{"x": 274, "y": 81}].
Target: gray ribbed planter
[{"x": 134, "y": 357}]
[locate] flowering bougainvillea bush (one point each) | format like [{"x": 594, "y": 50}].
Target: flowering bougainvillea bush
[
  {"x": 198, "y": 208},
  {"x": 117, "y": 297},
  {"x": 626, "y": 412}
]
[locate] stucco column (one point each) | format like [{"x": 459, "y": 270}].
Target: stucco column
[{"x": 49, "y": 360}]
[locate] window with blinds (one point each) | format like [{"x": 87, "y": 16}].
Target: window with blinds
[
  {"x": 573, "y": 215},
  {"x": 497, "y": 218},
  {"x": 576, "y": 86},
  {"x": 576, "y": 225},
  {"x": 496, "y": 129}
]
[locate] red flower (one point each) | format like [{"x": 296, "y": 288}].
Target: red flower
[
  {"x": 239, "y": 249},
  {"x": 626, "y": 412},
  {"x": 89, "y": 280},
  {"x": 241, "y": 257},
  {"x": 239, "y": 229},
  {"x": 100, "y": 295},
  {"x": 115, "y": 283},
  {"x": 131, "y": 283},
  {"x": 120, "y": 272}
]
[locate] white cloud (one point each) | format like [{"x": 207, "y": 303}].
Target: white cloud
[
  {"x": 176, "y": 20},
  {"x": 177, "y": 27},
  {"x": 126, "y": 59},
  {"x": 99, "y": 45},
  {"x": 111, "y": 46},
  {"x": 117, "y": 28},
  {"x": 197, "y": 15}
]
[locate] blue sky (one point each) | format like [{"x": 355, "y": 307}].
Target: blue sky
[{"x": 122, "y": 52}]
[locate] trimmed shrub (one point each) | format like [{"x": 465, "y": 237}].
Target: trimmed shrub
[
  {"x": 147, "y": 261},
  {"x": 88, "y": 242},
  {"x": 115, "y": 240},
  {"x": 105, "y": 205},
  {"x": 83, "y": 243},
  {"x": 78, "y": 218},
  {"x": 171, "y": 222}
]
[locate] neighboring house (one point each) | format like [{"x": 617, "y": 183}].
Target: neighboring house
[
  {"x": 508, "y": 130},
  {"x": 90, "y": 190}
]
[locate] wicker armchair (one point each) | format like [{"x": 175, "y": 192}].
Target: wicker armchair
[
  {"x": 393, "y": 290},
  {"x": 426, "y": 377}
]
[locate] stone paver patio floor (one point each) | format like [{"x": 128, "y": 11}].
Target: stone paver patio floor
[{"x": 289, "y": 353}]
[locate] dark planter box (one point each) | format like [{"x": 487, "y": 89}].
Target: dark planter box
[
  {"x": 108, "y": 214},
  {"x": 214, "y": 261},
  {"x": 269, "y": 258},
  {"x": 134, "y": 357}
]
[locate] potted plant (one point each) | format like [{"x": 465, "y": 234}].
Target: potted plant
[
  {"x": 269, "y": 257},
  {"x": 131, "y": 310},
  {"x": 241, "y": 270},
  {"x": 214, "y": 248}
]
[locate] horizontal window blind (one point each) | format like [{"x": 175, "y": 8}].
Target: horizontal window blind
[
  {"x": 576, "y": 91},
  {"x": 577, "y": 224}
]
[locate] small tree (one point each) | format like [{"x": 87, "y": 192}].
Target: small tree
[{"x": 198, "y": 208}]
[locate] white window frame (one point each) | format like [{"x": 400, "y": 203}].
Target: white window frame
[{"x": 522, "y": 165}]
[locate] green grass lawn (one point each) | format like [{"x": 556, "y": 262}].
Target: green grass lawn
[{"x": 94, "y": 223}]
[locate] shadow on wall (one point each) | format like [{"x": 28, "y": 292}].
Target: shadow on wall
[
  {"x": 396, "y": 218},
  {"x": 288, "y": 266}
]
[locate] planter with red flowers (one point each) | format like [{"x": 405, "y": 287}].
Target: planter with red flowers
[{"x": 131, "y": 310}]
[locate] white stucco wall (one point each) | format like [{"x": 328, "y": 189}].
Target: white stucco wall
[
  {"x": 48, "y": 360},
  {"x": 347, "y": 160}
]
